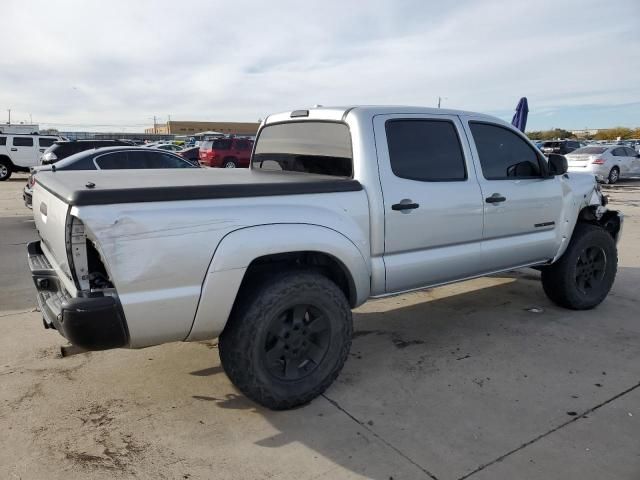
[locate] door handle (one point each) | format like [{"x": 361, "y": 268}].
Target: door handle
[
  {"x": 495, "y": 198},
  {"x": 14, "y": 149},
  {"x": 405, "y": 205}
]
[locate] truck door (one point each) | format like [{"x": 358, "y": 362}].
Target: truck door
[
  {"x": 432, "y": 200},
  {"x": 23, "y": 151},
  {"x": 522, "y": 206}
]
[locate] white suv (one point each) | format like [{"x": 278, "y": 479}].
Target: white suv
[{"x": 18, "y": 153}]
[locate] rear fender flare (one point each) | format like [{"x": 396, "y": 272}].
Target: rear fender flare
[{"x": 238, "y": 249}]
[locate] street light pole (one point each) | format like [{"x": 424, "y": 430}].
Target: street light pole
[{"x": 9, "y": 110}]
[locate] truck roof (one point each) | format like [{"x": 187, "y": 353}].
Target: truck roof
[{"x": 339, "y": 113}]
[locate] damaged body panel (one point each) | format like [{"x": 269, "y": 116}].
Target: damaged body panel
[{"x": 173, "y": 249}]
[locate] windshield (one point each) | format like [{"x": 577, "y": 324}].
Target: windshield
[
  {"x": 590, "y": 150},
  {"x": 311, "y": 147}
]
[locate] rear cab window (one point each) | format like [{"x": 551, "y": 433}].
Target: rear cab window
[{"x": 308, "y": 146}]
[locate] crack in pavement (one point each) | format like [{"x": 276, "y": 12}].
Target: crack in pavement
[
  {"x": 553, "y": 430},
  {"x": 391, "y": 446},
  {"x": 18, "y": 313}
]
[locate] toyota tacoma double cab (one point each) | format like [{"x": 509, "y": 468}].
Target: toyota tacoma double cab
[{"x": 339, "y": 205}]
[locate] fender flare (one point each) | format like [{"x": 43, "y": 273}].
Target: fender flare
[{"x": 239, "y": 248}]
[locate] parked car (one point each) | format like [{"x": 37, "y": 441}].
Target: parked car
[
  {"x": 109, "y": 158},
  {"x": 339, "y": 205},
  {"x": 226, "y": 152},
  {"x": 561, "y": 147},
  {"x": 18, "y": 153},
  {"x": 190, "y": 153},
  {"x": 608, "y": 163},
  {"x": 64, "y": 149},
  {"x": 170, "y": 147}
]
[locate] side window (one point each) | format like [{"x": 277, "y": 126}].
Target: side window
[
  {"x": 3, "y": 141},
  {"x": 46, "y": 142},
  {"x": 112, "y": 161},
  {"x": 630, "y": 152},
  {"x": 242, "y": 145},
  {"x": 164, "y": 160},
  {"x": 619, "y": 152},
  {"x": 425, "y": 150},
  {"x": 22, "y": 142},
  {"x": 503, "y": 154}
]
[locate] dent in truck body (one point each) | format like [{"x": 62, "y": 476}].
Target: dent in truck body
[{"x": 158, "y": 254}]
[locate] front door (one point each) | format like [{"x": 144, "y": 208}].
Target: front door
[
  {"x": 432, "y": 200},
  {"x": 522, "y": 206},
  {"x": 23, "y": 151}
]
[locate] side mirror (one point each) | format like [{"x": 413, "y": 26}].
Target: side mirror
[{"x": 558, "y": 164}]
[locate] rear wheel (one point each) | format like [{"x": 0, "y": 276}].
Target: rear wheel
[
  {"x": 614, "y": 176},
  {"x": 583, "y": 276},
  {"x": 229, "y": 163},
  {"x": 6, "y": 168},
  {"x": 287, "y": 339}
]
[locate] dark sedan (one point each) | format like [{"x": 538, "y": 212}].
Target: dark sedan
[{"x": 110, "y": 158}]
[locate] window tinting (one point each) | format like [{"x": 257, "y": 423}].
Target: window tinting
[
  {"x": 630, "y": 152},
  {"x": 619, "y": 152},
  {"x": 221, "y": 144},
  {"x": 157, "y": 160},
  {"x": 112, "y": 161},
  {"x": 503, "y": 154},
  {"x": 46, "y": 142},
  {"x": 589, "y": 150},
  {"x": 3, "y": 140},
  {"x": 22, "y": 142},
  {"x": 312, "y": 147},
  {"x": 426, "y": 150}
]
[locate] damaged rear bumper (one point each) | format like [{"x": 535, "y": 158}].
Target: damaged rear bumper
[{"x": 91, "y": 322}]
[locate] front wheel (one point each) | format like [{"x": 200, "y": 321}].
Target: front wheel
[
  {"x": 614, "y": 176},
  {"x": 583, "y": 276},
  {"x": 5, "y": 170},
  {"x": 287, "y": 339}
]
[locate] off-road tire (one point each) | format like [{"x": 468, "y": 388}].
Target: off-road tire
[
  {"x": 559, "y": 280},
  {"x": 242, "y": 343},
  {"x": 6, "y": 168},
  {"x": 614, "y": 176}
]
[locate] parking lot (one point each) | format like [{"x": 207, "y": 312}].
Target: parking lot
[{"x": 483, "y": 379}]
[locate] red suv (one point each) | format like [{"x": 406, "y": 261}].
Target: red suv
[{"x": 226, "y": 152}]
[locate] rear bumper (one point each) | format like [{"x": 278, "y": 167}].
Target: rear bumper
[
  {"x": 93, "y": 323},
  {"x": 28, "y": 198}
]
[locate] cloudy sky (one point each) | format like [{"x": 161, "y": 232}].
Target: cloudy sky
[{"x": 113, "y": 65}]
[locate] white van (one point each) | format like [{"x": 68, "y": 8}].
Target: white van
[{"x": 20, "y": 152}]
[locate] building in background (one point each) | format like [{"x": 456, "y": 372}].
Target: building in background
[
  {"x": 587, "y": 132},
  {"x": 177, "y": 127}
]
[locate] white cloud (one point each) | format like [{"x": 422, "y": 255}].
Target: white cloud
[{"x": 120, "y": 62}]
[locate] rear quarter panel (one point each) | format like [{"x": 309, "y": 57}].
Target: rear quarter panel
[{"x": 158, "y": 253}]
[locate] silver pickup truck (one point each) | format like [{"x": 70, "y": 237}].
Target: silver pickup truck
[{"x": 339, "y": 205}]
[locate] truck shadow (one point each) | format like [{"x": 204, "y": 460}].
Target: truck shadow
[{"x": 430, "y": 371}]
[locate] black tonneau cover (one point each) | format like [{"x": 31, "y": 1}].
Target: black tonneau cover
[{"x": 91, "y": 187}]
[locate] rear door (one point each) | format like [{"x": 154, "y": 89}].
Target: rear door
[
  {"x": 621, "y": 159},
  {"x": 634, "y": 161},
  {"x": 522, "y": 207},
  {"x": 432, "y": 200},
  {"x": 24, "y": 152}
]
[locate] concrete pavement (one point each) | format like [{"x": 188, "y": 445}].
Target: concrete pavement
[{"x": 484, "y": 380}]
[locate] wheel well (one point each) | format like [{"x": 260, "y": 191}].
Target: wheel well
[
  {"x": 4, "y": 157},
  {"x": 609, "y": 220},
  {"x": 321, "y": 262}
]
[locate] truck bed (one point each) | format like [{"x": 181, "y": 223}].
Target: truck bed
[{"x": 132, "y": 186}]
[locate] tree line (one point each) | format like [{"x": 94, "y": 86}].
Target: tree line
[{"x": 623, "y": 133}]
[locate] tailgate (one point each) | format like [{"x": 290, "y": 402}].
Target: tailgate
[{"x": 50, "y": 215}]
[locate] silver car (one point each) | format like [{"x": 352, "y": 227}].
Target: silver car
[{"x": 608, "y": 163}]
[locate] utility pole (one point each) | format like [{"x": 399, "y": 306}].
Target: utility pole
[
  {"x": 168, "y": 123},
  {"x": 439, "y": 99},
  {"x": 9, "y": 110},
  {"x": 30, "y": 119},
  {"x": 155, "y": 129}
]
